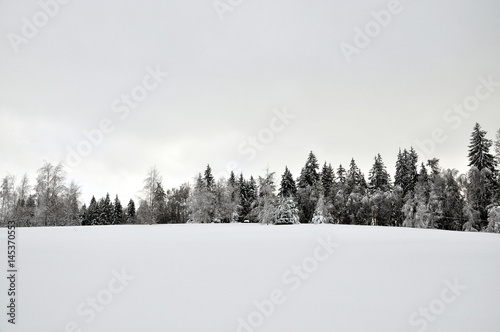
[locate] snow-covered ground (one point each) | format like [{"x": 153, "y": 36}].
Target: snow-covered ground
[{"x": 243, "y": 278}]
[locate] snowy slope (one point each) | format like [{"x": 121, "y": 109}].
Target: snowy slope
[{"x": 253, "y": 278}]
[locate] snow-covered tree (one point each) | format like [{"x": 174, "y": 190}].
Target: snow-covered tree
[
  {"x": 198, "y": 205},
  {"x": 287, "y": 211},
  {"x": 494, "y": 219},
  {"x": 406, "y": 170},
  {"x": 309, "y": 188},
  {"x": 479, "y": 150},
  {"x": 327, "y": 179},
  {"x": 130, "y": 214},
  {"x": 497, "y": 148},
  {"x": 288, "y": 187},
  {"x": 266, "y": 209},
  {"x": 117, "y": 218},
  {"x": 49, "y": 193},
  {"x": 378, "y": 177},
  {"x": 71, "y": 205},
  {"x": 7, "y": 198},
  {"x": 150, "y": 185},
  {"x": 321, "y": 215}
]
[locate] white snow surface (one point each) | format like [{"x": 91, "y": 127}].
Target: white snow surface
[{"x": 213, "y": 277}]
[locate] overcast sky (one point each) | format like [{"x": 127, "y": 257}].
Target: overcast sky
[{"x": 296, "y": 75}]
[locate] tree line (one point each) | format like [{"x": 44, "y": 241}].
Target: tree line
[{"x": 422, "y": 195}]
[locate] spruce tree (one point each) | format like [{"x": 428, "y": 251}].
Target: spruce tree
[
  {"x": 378, "y": 176},
  {"x": 107, "y": 211},
  {"x": 159, "y": 205},
  {"x": 93, "y": 212},
  {"x": 355, "y": 181},
  {"x": 308, "y": 189},
  {"x": 479, "y": 150},
  {"x": 309, "y": 175},
  {"x": 327, "y": 179},
  {"x": 209, "y": 179},
  {"x": 117, "y": 212},
  {"x": 131, "y": 212},
  {"x": 288, "y": 187},
  {"x": 84, "y": 216}
]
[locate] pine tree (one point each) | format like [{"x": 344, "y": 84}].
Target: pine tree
[
  {"x": 288, "y": 187},
  {"x": 107, "y": 211},
  {"x": 308, "y": 189},
  {"x": 378, "y": 176},
  {"x": 406, "y": 170},
  {"x": 209, "y": 179},
  {"x": 309, "y": 175},
  {"x": 286, "y": 211},
  {"x": 479, "y": 155},
  {"x": 131, "y": 218},
  {"x": 355, "y": 181},
  {"x": 117, "y": 218},
  {"x": 321, "y": 215},
  {"x": 93, "y": 212},
  {"x": 83, "y": 217},
  {"x": 341, "y": 174},
  {"x": 327, "y": 179},
  {"x": 159, "y": 205}
]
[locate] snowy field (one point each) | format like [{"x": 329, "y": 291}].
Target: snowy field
[{"x": 244, "y": 278}]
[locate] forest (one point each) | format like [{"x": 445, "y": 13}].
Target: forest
[{"x": 421, "y": 195}]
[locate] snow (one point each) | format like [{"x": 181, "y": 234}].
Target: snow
[{"x": 212, "y": 277}]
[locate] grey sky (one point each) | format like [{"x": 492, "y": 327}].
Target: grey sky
[{"x": 227, "y": 78}]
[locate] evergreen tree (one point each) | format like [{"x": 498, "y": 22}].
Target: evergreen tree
[
  {"x": 309, "y": 175},
  {"x": 308, "y": 189},
  {"x": 130, "y": 214},
  {"x": 117, "y": 218},
  {"x": 341, "y": 174},
  {"x": 93, "y": 212},
  {"x": 479, "y": 155},
  {"x": 83, "y": 217},
  {"x": 406, "y": 170},
  {"x": 286, "y": 211},
  {"x": 378, "y": 176},
  {"x": 327, "y": 179},
  {"x": 355, "y": 181},
  {"x": 320, "y": 215},
  {"x": 288, "y": 187},
  {"x": 209, "y": 179},
  {"x": 479, "y": 190},
  {"x": 106, "y": 211},
  {"x": 159, "y": 205}
]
